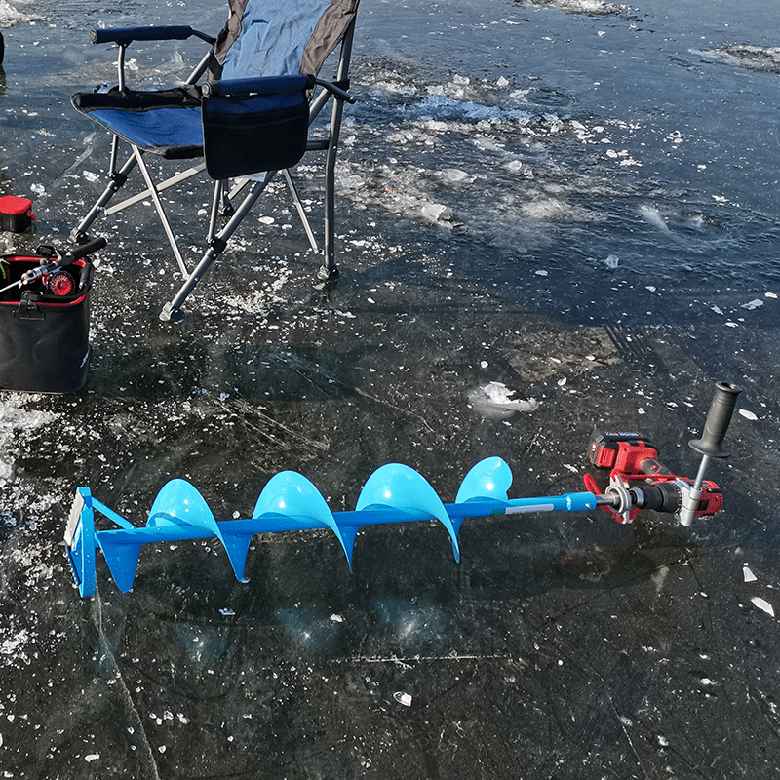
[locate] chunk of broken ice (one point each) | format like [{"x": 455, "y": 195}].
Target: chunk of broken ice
[
  {"x": 748, "y": 575},
  {"x": 612, "y": 261},
  {"x": 754, "y": 304},
  {"x": 434, "y": 211},
  {"x": 764, "y": 605},
  {"x": 748, "y": 414}
]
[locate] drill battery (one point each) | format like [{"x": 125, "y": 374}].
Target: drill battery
[{"x": 626, "y": 452}]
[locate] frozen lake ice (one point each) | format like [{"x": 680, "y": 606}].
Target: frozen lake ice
[{"x": 568, "y": 201}]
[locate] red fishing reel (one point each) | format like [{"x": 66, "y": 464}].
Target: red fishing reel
[{"x": 59, "y": 282}]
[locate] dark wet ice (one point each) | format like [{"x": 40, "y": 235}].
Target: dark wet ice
[{"x": 552, "y": 216}]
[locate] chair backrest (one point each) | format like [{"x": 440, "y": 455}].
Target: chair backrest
[{"x": 280, "y": 37}]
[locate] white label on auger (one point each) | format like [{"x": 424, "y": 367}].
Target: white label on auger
[{"x": 524, "y": 510}]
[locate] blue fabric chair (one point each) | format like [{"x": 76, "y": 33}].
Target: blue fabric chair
[{"x": 245, "y": 109}]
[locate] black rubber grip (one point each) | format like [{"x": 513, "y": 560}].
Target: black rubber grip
[
  {"x": 718, "y": 419},
  {"x": 82, "y": 251},
  {"x": 173, "y": 32}
]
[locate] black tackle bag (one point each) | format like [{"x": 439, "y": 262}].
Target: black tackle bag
[{"x": 44, "y": 326}]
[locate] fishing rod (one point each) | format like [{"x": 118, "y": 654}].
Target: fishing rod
[
  {"x": 49, "y": 266},
  {"x": 394, "y": 494}
]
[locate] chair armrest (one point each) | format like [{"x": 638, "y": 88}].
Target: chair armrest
[
  {"x": 336, "y": 91},
  {"x": 125, "y": 35}
]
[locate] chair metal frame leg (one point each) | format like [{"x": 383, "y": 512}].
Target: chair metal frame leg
[
  {"x": 172, "y": 310},
  {"x": 117, "y": 180},
  {"x": 329, "y": 271},
  {"x": 155, "y": 195}
]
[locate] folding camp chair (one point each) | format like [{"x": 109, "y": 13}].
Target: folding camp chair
[{"x": 246, "y": 109}]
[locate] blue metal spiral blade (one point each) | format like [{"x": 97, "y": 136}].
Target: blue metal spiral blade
[
  {"x": 399, "y": 487},
  {"x": 490, "y": 478},
  {"x": 292, "y": 496},
  {"x": 180, "y": 504}
]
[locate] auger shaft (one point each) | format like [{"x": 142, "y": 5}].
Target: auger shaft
[{"x": 568, "y": 502}]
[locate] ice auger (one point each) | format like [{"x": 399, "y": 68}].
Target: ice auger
[{"x": 394, "y": 493}]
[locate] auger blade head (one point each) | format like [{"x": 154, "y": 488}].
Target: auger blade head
[
  {"x": 490, "y": 478},
  {"x": 294, "y": 497},
  {"x": 398, "y": 486}
]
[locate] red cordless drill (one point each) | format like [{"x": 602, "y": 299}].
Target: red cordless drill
[{"x": 631, "y": 458}]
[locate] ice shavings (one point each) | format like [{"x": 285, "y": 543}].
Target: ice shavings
[
  {"x": 12, "y": 646},
  {"x": 9, "y": 16},
  {"x": 495, "y": 400},
  {"x": 585, "y": 7},
  {"x": 749, "y": 57},
  {"x": 13, "y": 422}
]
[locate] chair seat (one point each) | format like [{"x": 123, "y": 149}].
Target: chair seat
[{"x": 167, "y": 123}]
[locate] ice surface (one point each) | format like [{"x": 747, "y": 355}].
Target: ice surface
[{"x": 488, "y": 144}]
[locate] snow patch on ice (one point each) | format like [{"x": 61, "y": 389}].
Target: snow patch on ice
[
  {"x": 9, "y": 16},
  {"x": 585, "y": 7},
  {"x": 495, "y": 400}
]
